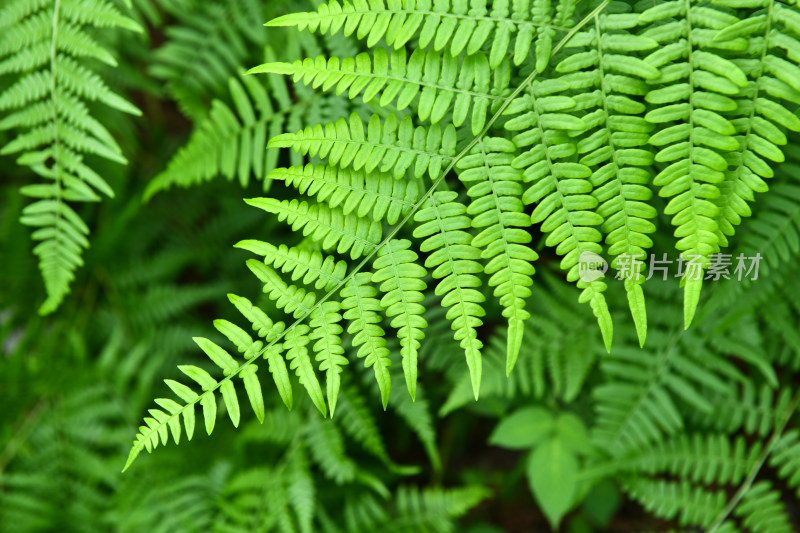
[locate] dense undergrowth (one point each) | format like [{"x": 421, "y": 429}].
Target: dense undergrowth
[{"x": 426, "y": 343}]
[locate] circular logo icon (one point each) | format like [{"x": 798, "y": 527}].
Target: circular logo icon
[{"x": 591, "y": 267}]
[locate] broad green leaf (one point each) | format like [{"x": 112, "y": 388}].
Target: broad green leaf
[
  {"x": 523, "y": 429},
  {"x": 553, "y": 477}
]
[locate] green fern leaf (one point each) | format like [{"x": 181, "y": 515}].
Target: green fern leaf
[
  {"x": 760, "y": 115},
  {"x": 329, "y": 226},
  {"x": 229, "y": 140},
  {"x": 637, "y": 386},
  {"x": 295, "y": 342},
  {"x": 205, "y": 48},
  {"x": 614, "y": 145},
  {"x": 43, "y": 46},
  {"x": 325, "y": 329},
  {"x": 461, "y": 25},
  {"x": 323, "y": 272},
  {"x": 702, "y": 459},
  {"x": 290, "y": 298},
  {"x": 389, "y": 146},
  {"x": 688, "y": 504},
  {"x": 496, "y": 208},
  {"x": 786, "y": 459},
  {"x": 468, "y": 88},
  {"x": 560, "y": 189},
  {"x": 269, "y": 331},
  {"x": 761, "y": 510},
  {"x": 401, "y": 282},
  {"x": 361, "y": 308},
  {"x": 692, "y": 137},
  {"x": 454, "y": 260},
  {"x": 376, "y": 194}
]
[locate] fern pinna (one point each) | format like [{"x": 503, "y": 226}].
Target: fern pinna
[
  {"x": 45, "y": 48},
  {"x": 558, "y": 121}
]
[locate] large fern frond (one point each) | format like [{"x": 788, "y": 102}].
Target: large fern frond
[
  {"x": 693, "y": 139},
  {"x": 560, "y": 188},
  {"x": 603, "y": 63},
  {"x": 638, "y": 403},
  {"x": 498, "y": 211},
  {"x": 394, "y": 146}
]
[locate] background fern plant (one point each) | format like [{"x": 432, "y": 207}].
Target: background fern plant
[
  {"x": 449, "y": 169},
  {"x": 44, "y": 47}
]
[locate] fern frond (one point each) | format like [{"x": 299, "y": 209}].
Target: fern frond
[
  {"x": 324, "y": 272},
  {"x": 761, "y": 114},
  {"x": 359, "y": 424},
  {"x": 292, "y": 300},
  {"x": 388, "y": 145},
  {"x": 614, "y": 144},
  {"x": 454, "y": 260},
  {"x": 785, "y": 458},
  {"x": 376, "y": 194},
  {"x": 206, "y": 47},
  {"x": 469, "y": 87},
  {"x": 749, "y": 408},
  {"x": 442, "y": 222},
  {"x": 773, "y": 237},
  {"x": 326, "y": 444},
  {"x": 44, "y": 45},
  {"x": 692, "y": 137},
  {"x": 417, "y": 415},
  {"x": 270, "y": 332},
  {"x": 560, "y": 189},
  {"x": 325, "y": 329},
  {"x": 257, "y": 498},
  {"x": 401, "y": 283},
  {"x": 331, "y": 227},
  {"x": 302, "y": 490},
  {"x": 498, "y": 211},
  {"x": 775, "y": 230},
  {"x": 761, "y": 510},
  {"x": 229, "y": 140},
  {"x": 708, "y": 459},
  {"x": 636, "y": 404},
  {"x": 688, "y": 504},
  {"x": 433, "y": 509},
  {"x": 361, "y": 308},
  {"x": 413, "y": 509},
  {"x": 60, "y": 473},
  {"x": 460, "y": 25},
  {"x": 167, "y": 420}
]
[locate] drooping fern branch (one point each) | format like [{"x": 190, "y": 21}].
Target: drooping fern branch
[
  {"x": 613, "y": 80},
  {"x": 48, "y": 47},
  {"x": 392, "y": 146},
  {"x": 640, "y": 99}
]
